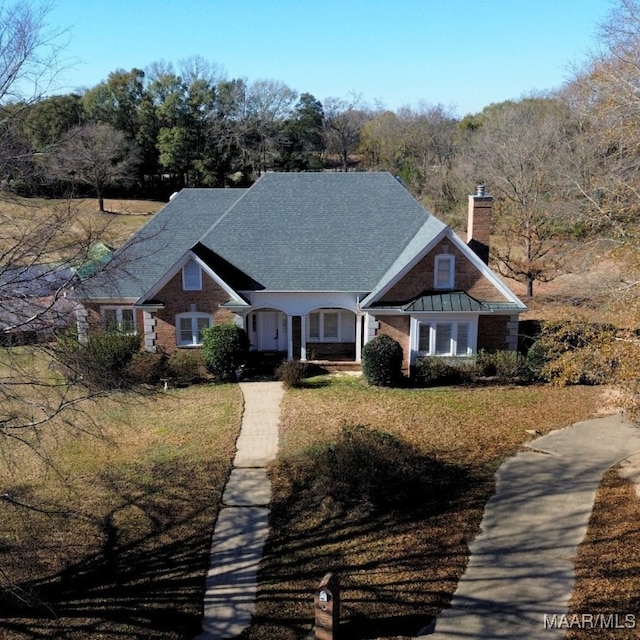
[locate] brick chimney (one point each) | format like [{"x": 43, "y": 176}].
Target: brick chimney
[{"x": 479, "y": 223}]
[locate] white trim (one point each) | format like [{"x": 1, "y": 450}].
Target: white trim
[
  {"x": 376, "y": 294},
  {"x": 193, "y": 316}
]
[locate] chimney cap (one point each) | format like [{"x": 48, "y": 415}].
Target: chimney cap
[{"x": 480, "y": 190}]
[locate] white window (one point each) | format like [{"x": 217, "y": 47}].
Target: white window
[
  {"x": 189, "y": 328},
  {"x": 444, "y": 271},
  {"x": 325, "y": 326},
  {"x": 445, "y": 338},
  {"x": 122, "y": 319},
  {"x": 191, "y": 276}
]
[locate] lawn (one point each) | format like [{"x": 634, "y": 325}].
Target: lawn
[
  {"x": 114, "y": 540},
  {"x": 392, "y": 506},
  {"x": 385, "y": 487}
]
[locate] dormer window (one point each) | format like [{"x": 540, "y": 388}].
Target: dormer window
[
  {"x": 191, "y": 276},
  {"x": 444, "y": 271}
]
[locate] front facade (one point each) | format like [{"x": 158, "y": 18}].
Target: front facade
[{"x": 313, "y": 266}]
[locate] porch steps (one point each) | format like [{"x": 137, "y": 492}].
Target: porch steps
[{"x": 337, "y": 365}]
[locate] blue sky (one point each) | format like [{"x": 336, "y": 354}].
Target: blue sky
[{"x": 463, "y": 54}]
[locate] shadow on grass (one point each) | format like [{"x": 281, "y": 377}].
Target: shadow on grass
[
  {"x": 390, "y": 521},
  {"x": 145, "y": 576}
]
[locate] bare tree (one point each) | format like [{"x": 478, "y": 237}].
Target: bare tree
[
  {"x": 343, "y": 123},
  {"x": 40, "y": 246},
  {"x": 605, "y": 96},
  {"x": 96, "y": 155},
  {"x": 519, "y": 151}
]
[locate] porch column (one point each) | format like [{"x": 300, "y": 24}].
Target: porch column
[
  {"x": 358, "y": 338},
  {"x": 289, "y": 337},
  {"x": 303, "y": 338}
]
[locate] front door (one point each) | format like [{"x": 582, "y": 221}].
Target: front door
[{"x": 268, "y": 331}]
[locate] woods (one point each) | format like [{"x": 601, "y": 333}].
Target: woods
[{"x": 561, "y": 165}]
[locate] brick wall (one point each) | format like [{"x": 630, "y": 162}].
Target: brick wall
[
  {"x": 397, "y": 327},
  {"x": 495, "y": 333},
  {"x": 208, "y": 300},
  {"x": 421, "y": 278},
  {"x": 331, "y": 350}
]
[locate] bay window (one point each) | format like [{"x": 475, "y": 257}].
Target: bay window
[{"x": 445, "y": 338}]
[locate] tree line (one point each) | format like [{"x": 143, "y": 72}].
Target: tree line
[{"x": 562, "y": 165}]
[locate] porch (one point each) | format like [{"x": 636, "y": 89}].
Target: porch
[{"x": 328, "y": 337}]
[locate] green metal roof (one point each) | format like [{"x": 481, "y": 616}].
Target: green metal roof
[
  {"x": 444, "y": 302},
  {"x": 447, "y": 302}
]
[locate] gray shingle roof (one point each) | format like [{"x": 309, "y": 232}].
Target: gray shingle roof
[
  {"x": 288, "y": 232},
  {"x": 157, "y": 246},
  {"x": 318, "y": 231}
]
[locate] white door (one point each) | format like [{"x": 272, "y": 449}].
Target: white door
[{"x": 268, "y": 331}]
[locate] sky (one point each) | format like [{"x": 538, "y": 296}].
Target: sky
[{"x": 461, "y": 54}]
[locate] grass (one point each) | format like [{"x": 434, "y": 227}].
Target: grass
[
  {"x": 114, "y": 541},
  {"x": 338, "y": 505}
]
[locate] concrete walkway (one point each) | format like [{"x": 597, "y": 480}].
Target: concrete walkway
[
  {"x": 521, "y": 563},
  {"x": 242, "y": 526}
]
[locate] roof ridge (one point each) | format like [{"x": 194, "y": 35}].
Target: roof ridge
[{"x": 224, "y": 215}]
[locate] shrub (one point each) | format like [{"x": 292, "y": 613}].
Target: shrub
[
  {"x": 432, "y": 371},
  {"x": 382, "y": 361},
  {"x": 185, "y": 367},
  {"x": 292, "y": 373},
  {"x": 225, "y": 348},
  {"x": 505, "y": 366},
  {"x": 146, "y": 368},
  {"x": 573, "y": 353},
  {"x": 102, "y": 361}
]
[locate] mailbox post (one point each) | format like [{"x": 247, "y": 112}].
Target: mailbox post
[{"x": 327, "y": 608}]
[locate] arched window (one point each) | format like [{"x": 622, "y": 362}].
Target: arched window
[{"x": 191, "y": 276}]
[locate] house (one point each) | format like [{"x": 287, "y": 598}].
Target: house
[
  {"x": 312, "y": 265},
  {"x": 34, "y": 303}
]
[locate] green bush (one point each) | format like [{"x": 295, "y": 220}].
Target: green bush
[
  {"x": 292, "y": 373},
  {"x": 225, "y": 348},
  {"x": 101, "y": 361},
  {"x": 185, "y": 367},
  {"x": 382, "y": 361}
]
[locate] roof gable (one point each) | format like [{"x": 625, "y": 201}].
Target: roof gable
[{"x": 153, "y": 250}]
